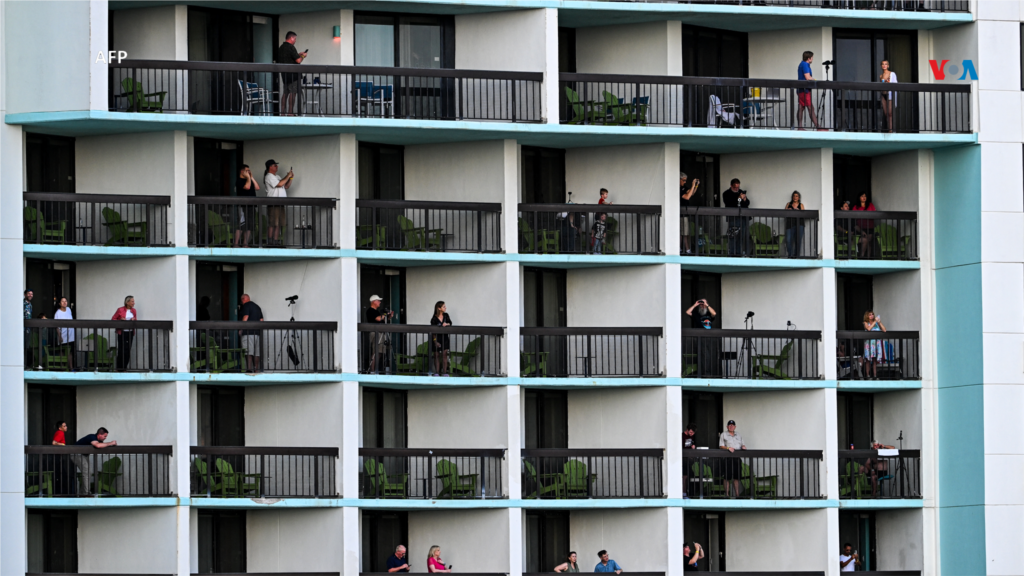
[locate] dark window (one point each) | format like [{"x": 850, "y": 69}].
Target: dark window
[
  {"x": 48, "y": 405},
  {"x": 547, "y": 540},
  {"x": 858, "y": 54},
  {"x": 854, "y": 419},
  {"x": 404, "y": 40},
  {"x": 383, "y": 531},
  {"x": 708, "y": 52},
  {"x": 707, "y": 528},
  {"x": 216, "y": 165},
  {"x": 858, "y": 530},
  {"x": 221, "y": 416},
  {"x": 851, "y": 176},
  {"x": 219, "y": 289},
  {"x": 544, "y": 297},
  {"x": 547, "y": 420},
  {"x": 381, "y": 173},
  {"x": 49, "y": 281},
  {"x": 567, "y": 50},
  {"x": 854, "y": 297},
  {"x": 389, "y": 284},
  {"x": 384, "y": 420},
  {"x": 52, "y": 541},
  {"x": 216, "y": 35},
  {"x": 705, "y": 410},
  {"x": 221, "y": 538},
  {"x": 705, "y": 168},
  {"x": 49, "y": 163},
  {"x": 702, "y": 285},
  {"x": 543, "y": 175}
]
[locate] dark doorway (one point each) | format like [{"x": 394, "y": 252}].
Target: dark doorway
[
  {"x": 389, "y": 284},
  {"x": 49, "y": 163},
  {"x": 854, "y": 419},
  {"x": 219, "y": 289},
  {"x": 709, "y": 52},
  {"x": 851, "y": 177},
  {"x": 705, "y": 410},
  {"x": 217, "y": 163},
  {"x": 544, "y": 304},
  {"x": 52, "y": 541},
  {"x": 49, "y": 281},
  {"x": 701, "y": 285},
  {"x": 547, "y": 539},
  {"x": 47, "y": 405},
  {"x": 381, "y": 172},
  {"x": 383, "y": 531},
  {"x": 858, "y": 56},
  {"x": 705, "y": 168},
  {"x": 708, "y": 529},
  {"x": 543, "y": 175},
  {"x": 221, "y": 416},
  {"x": 384, "y": 418},
  {"x": 222, "y": 545},
  {"x": 547, "y": 420},
  {"x": 854, "y": 297},
  {"x": 567, "y": 51},
  {"x": 858, "y": 530}
]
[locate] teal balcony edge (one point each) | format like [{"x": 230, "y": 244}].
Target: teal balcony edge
[{"x": 887, "y": 504}]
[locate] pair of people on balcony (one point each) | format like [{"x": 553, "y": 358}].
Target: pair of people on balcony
[{"x": 277, "y": 187}]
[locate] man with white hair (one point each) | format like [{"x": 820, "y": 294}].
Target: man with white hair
[
  {"x": 397, "y": 562},
  {"x": 378, "y": 340}
]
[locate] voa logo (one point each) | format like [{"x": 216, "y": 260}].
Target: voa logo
[{"x": 942, "y": 68}]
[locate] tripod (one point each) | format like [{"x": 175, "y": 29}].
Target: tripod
[
  {"x": 291, "y": 348},
  {"x": 381, "y": 352},
  {"x": 900, "y": 474},
  {"x": 748, "y": 349},
  {"x": 822, "y": 97}
]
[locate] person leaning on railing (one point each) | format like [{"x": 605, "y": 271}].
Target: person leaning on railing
[
  {"x": 125, "y": 336},
  {"x": 569, "y": 565},
  {"x": 739, "y": 228},
  {"x": 731, "y": 441},
  {"x": 246, "y": 186},
  {"x": 98, "y": 441},
  {"x": 277, "y": 187}
]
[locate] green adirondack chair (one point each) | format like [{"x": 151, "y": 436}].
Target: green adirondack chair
[
  {"x": 220, "y": 230},
  {"x": 853, "y": 483},
  {"x": 412, "y": 364},
  {"x": 547, "y": 242},
  {"x": 765, "y": 245},
  {"x": 385, "y": 485},
  {"x": 237, "y": 483},
  {"x": 621, "y": 114},
  {"x": 460, "y": 361},
  {"x": 759, "y": 486},
  {"x": 890, "y": 245},
  {"x": 102, "y": 355},
  {"x": 39, "y": 230},
  {"x": 139, "y": 100},
  {"x": 843, "y": 249},
  {"x": 712, "y": 249},
  {"x": 211, "y": 480},
  {"x": 537, "y": 482},
  {"x": 453, "y": 484},
  {"x": 418, "y": 237},
  {"x": 32, "y": 485},
  {"x": 106, "y": 480},
  {"x": 530, "y": 367},
  {"x": 365, "y": 236},
  {"x": 121, "y": 232},
  {"x": 761, "y": 367},
  {"x": 689, "y": 364},
  {"x": 209, "y": 353},
  {"x": 714, "y": 486},
  {"x": 574, "y": 480},
  {"x": 580, "y": 114},
  {"x": 57, "y": 358}
]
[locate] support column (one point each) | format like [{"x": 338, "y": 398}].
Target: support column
[
  {"x": 98, "y": 39},
  {"x": 510, "y": 208},
  {"x": 345, "y": 217},
  {"x": 350, "y": 440},
  {"x": 826, "y": 224},
  {"x": 674, "y": 442},
  {"x": 828, "y": 324},
  {"x": 180, "y": 460},
  {"x": 832, "y": 553},
  {"x": 515, "y": 540},
  {"x": 674, "y": 546},
  {"x": 670, "y": 205},
  {"x": 350, "y": 536},
  {"x": 549, "y": 99}
]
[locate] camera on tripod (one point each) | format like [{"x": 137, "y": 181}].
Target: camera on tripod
[{"x": 291, "y": 299}]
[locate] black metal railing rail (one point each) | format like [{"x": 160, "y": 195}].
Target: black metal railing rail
[
  {"x": 762, "y": 474},
  {"x": 421, "y": 473},
  {"x": 95, "y": 219},
  {"x": 631, "y": 573},
  {"x": 84, "y": 471},
  {"x": 875, "y": 235},
  {"x": 218, "y": 346},
  {"x": 263, "y": 472},
  {"x": 751, "y": 354},
  {"x": 288, "y": 573},
  {"x": 908, "y": 6},
  {"x": 892, "y": 355},
  {"x": 865, "y": 474},
  {"x": 577, "y": 229},
  {"x": 625, "y": 100},
  {"x": 421, "y": 350},
  {"x": 575, "y": 473},
  {"x": 246, "y": 222},
  {"x": 317, "y": 90},
  {"x": 590, "y": 352},
  {"x": 748, "y": 232},
  {"x": 98, "y": 345},
  {"x": 428, "y": 226}
]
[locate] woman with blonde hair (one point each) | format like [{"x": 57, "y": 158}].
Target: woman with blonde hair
[
  {"x": 874, "y": 350},
  {"x": 434, "y": 562}
]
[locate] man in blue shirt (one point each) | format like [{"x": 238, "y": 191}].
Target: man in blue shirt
[
  {"x": 396, "y": 562},
  {"x": 98, "y": 441},
  {"x": 606, "y": 565},
  {"x": 803, "y": 72}
]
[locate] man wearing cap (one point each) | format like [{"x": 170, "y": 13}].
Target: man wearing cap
[
  {"x": 732, "y": 442},
  {"x": 379, "y": 340},
  {"x": 250, "y": 312},
  {"x": 277, "y": 187}
]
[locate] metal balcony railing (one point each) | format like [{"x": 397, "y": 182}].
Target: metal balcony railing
[
  {"x": 217, "y": 346},
  {"x": 428, "y": 226},
  {"x": 590, "y": 352},
  {"x": 751, "y": 354},
  {"x": 875, "y": 235},
  {"x": 579, "y": 229},
  {"x": 95, "y": 219},
  {"x": 437, "y": 473},
  {"x": 84, "y": 471},
  {"x": 246, "y": 222},
  {"x": 263, "y": 472},
  {"x": 761, "y": 474},
  {"x": 688, "y": 101},
  {"x": 98, "y": 345},
  {"x": 576, "y": 473},
  {"x": 866, "y": 474},
  {"x": 316, "y": 90},
  {"x": 420, "y": 350},
  {"x": 748, "y": 232},
  {"x": 892, "y": 355},
  {"x": 908, "y": 6}
]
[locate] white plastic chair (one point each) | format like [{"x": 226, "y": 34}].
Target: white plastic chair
[
  {"x": 253, "y": 95},
  {"x": 718, "y": 113}
]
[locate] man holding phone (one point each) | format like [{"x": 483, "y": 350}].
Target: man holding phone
[
  {"x": 849, "y": 560},
  {"x": 277, "y": 187},
  {"x": 288, "y": 54}
]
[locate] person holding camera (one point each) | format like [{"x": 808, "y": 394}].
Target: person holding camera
[
  {"x": 684, "y": 208},
  {"x": 874, "y": 350},
  {"x": 849, "y": 560},
  {"x": 245, "y": 185},
  {"x": 701, "y": 314},
  {"x": 692, "y": 553},
  {"x": 708, "y": 349},
  {"x": 739, "y": 230},
  {"x": 440, "y": 343},
  {"x": 277, "y": 187},
  {"x": 378, "y": 340}
]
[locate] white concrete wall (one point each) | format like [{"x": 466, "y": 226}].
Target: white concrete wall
[
  {"x": 651, "y": 48},
  {"x": 316, "y": 282},
  {"x": 895, "y": 182},
  {"x": 638, "y": 294},
  {"x": 897, "y": 299},
  {"x": 775, "y": 54},
  {"x": 795, "y": 295},
  {"x": 469, "y": 291},
  {"x": 632, "y": 174},
  {"x": 470, "y": 540},
  {"x": 155, "y": 33},
  {"x": 294, "y": 540},
  {"x": 307, "y": 415},
  {"x": 141, "y": 164},
  {"x": 143, "y": 537},
  {"x": 134, "y": 414},
  {"x": 458, "y": 172},
  {"x": 636, "y": 539},
  {"x": 458, "y": 418},
  {"x": 316, "y": 33},
  {"x": 771, "y": 177},
  {"x": 779, "y": 420},
  {"x": 896, "y": 411},
  {"x": 607, "y": 418},
  {"x": 103, "y": 284},
  {"x": 899, "y": 537},
  {"x": 777, "y": 540},
  {"x": 512, "y": 41}
]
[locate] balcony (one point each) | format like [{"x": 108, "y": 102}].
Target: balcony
[
  {"x": 84, "y": 471},
  {"x": 98, "y": 345},
  {"x": 578, "y": 473},
  {"x": 244, "y": 222},
  {"x": 590, "y": 352},
  {"x": 263, "y": 472},
  {"x": 568, "y": 229},
  {"x": 888, "y": 355},
  {"x": 302, "y": 347},
  {"x": 879, "y": 474},
  {"x": 694, "y": 102},
  {"x": 751, "y": 354},
  {"x": 762, "y": 474},
  {"x": 431, "y": 474},
  {"x": 913, "y": 6},
  {"x": 749, "y": 233},
  {"x": 428, "y": 226},
  {"x": 417, "y": 350},
  {"x": 876, "y": 235},
  {"x": 225, "y": 88},
  {"x": 95, "y": 219}
]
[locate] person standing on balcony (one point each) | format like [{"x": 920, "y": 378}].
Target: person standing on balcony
[
  {"x": 874, "y": 350},
  {"x": 246, "y": 187},
  {"x": 434, "y": 562},
  {"x": 26, "y": 305},
  {"x": 569, "y": 565},
  {"x": 125, "y": 336},
  {"x": 849, "y": 561},
  {"x": 691, "y": 555},
  {"x": 598, "y": 233},
  {"x": 888, "y": 98},
  {"x": 794, "y": 227},
  {"x": 66, "y": 335},
  {"x": 739, "y": 231},
  {"x": 803, "y": 72},
  {"x": 689, "y": 443},
  {"x": 604, "y": 197},
  {"x": 58, "y": 436},
  {"x": 250, "y": 312},
  {"x": 288, "y": 54},
  {"x": 378, "y": 340},
  {"x": 277, "y": 187},
  {"x": 98, "y": 441},
  {"x": 732, "y": 442},
  {"x": 606, "y": 564},
  {"x": 396, "y": 562},
  {"x": 865, "y": 226},
  {"x": 684, "y": 205},
  {"x": 440, "y": 343}
]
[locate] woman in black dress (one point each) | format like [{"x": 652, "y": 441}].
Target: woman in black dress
[{"x": 440, "y": 344}]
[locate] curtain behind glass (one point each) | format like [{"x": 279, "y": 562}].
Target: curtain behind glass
[
  {"x": 375, "y": 41},
  {"x": 419, "y": 42}
]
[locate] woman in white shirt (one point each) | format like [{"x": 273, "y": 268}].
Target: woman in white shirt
[
  {"x": 888, "y": 98},
  {"x": 67, "y": 335}
]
